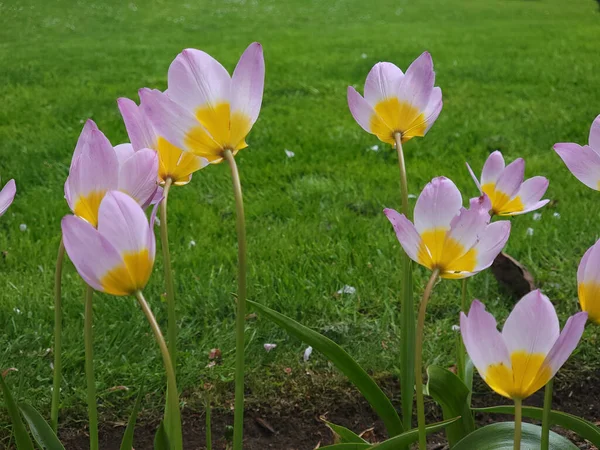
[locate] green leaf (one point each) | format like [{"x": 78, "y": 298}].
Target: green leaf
[
  {"x": 21, "y": 436},
  {"x": 405, "y": 439},
  {"x": 468, "y": 380},
  {"x": 344, "y": 362},
  {"x": 161, "y": 440},
  {"x": 127, "y": 442},
  {"x": 346, "y": 436},
  {"x": 582, "y": 427},
  {"x": 500, "y": 436},
  {"x": 42, "y": 432},
  {"x": 452, "y": 395}
]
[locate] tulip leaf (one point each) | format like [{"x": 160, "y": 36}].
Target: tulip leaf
[
  {"x": 345, "y": 435},
  {"x": 127, "y": 442},
  {"x": 22, "y": 438},
  {"x": 399, "y": 441},
  {"x": 42, "y": 432},
  {"x": 344, "y": 362},
  {"x": 500, "y": 436},
  {"x": 582, "y": 427},
  {"x": 161, "y": 440},
  {"x": 452, "y": 395}
]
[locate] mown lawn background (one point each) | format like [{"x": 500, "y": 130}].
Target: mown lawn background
[{"x": 516, "y": 75}]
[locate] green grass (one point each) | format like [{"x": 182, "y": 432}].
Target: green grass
[{"x": 516, "y": 76}]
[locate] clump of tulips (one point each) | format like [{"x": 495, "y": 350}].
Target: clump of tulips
[{"x": 203, "y": 118}]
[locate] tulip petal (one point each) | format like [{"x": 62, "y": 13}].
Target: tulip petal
[
  {"x": 493, "y": 168},
  {"x": 530, "y": 193},
  {"x": 588, "y": 282},
  {"x": 469, "y": 224},
  {"x": 566, "y": 342},
  {"x": 474, "y": 177},
  {"x": 138, "y": 175},
  {"x": 511, "y": 178},
  {"x": 124, "y": 152},
  {"x": 139, "y": 128},
  {"x": 583, "y": 264},
  {"x": 7, "y": 195},
  {"x": 361, "y": 110},
  {"x": 434, "y": 107},
  {"x": 594, "y": 140},
  {"x": 248, "y": 83},
  {"x": 492, "y": 241},
  {"x": 406, "y": 233},
  {"x": 382, "y": 82},
  {"x": 583, "y": 162},
  {"x": 91, "y": 253},
  {"x": 197, "y": 80},
  {"x": 417, "y": 85},
  {"x": 439, "y": 202},
  {"x": 83, "y": 140}
]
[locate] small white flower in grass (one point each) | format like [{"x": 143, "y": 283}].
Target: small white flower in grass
[
  {"x": 537, "y": 216},
  {"x": 192, "y": 244},
  {"x": 455, "y": 328},
  {"x": 269, "y": 347},
  {"x": 412, "y": 196},
  {"x": 289, "y": 153},
  {"x": 307, "y": 354},
  {"x": 374, "y": 148},
  {"x": 17, "y": 310},
  {"x": 556, "y": 215},
  {"x": 363, "y": 56},
  {"x": 23, "y": 227},
  {"x": 350, "y": 290},
  {"x": 529, "y": 232}
]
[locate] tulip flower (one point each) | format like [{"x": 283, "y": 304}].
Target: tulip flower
[
  {"x": 118, "y": 256},
  {"x": 97, "y": 168},
  {"x": 173, "y": 162},
  {"x": 509, "y": 194},
  {"x": 206, "y": 111},
  {"x": 530, "y": 350},
  {"x": 588, "y": 282},
  {"x": 396, "y": 103},
  {"x": 584, "y": 161},
  {"x": 7, "y": 195},
  {"x": 455, "y": 241}
]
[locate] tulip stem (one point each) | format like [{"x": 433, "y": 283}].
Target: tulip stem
[
  {"x": 419, "y": 359},
  {"x": 461, "y": 355},
  {"x": 164, "y": 240},
  {"x": 407, "y": 311},
  {"x": 546, "y": 415},
  {"x": 89, "y": 367},
  {"x": 518, "y": 418},
  {"x": 238, "y": 420},
  {"x": 208, "y": 423},
  {"x": 174, "y": 430},
  {"x": 60, "y": 260}
]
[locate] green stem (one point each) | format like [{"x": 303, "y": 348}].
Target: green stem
[
  {"x": 546, "y": 415},
  {"x": 238, "y": 420},
  {"x": 419, "y": 359},
  {"x": 208, "y": 423},
  {"x": 518, "y": 418},
  {"x": 460, "y": 350},
  {"x": 174, "y": 431},
  {"x": 164, "y": 241},
  {"x": 89, "y": 367},
  {"x": 407, "y": 308},
  {"x": 60, "y": 260}
]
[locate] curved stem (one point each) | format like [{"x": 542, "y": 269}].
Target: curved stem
[
  {"x": 460, "y": 350},
  {"x": 407, "y": 308},
  {"x": 518, "y": 418},
  {"x": 546, "y": 415},
  {"x": 60, "y": 260},
  {"x": 89, "y": 367},
  {"x": 164, "y": 241},
  {"x": 463, "y": 302},
  {"x": 238, "y": 421},
  {"x": 175, "y": 437},
  {"x": 419, "y": 359}
]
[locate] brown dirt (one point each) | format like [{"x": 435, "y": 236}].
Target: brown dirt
[{"x": 290, "y": 420}]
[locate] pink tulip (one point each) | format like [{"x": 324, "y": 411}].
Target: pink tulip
[
  {"x": 205, "y": 111},
  {"x": 530, "y": 350},
  {"x": 584, "y": 161},
  {"x": 97, "y": 168},
  {"x": 588, "y": 282},
  {"x": 508, "y": 193},
  {"x": 395, "y": 102},
  {"x": 458, "y": 242},
  {"x": 118, "y": 256},
  {"x": 7, "y": 195}
]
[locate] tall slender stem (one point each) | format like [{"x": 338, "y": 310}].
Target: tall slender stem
[
  {"x": 546, "y": 415},
  {"x": 174, "y": 433},
  {"x": 164, "y": 241},
  {"x": 407, "y": 311},
  {"x": 238, "y": 420},
  {"x": 60, "y": 260},
  {"x": 89, "y": 367},
  {"x": 208, "y": 423},
  {"x": 518, "y": 419},
  {"x": 419, "y": 359},
  {"x": 460, "y": 350}
]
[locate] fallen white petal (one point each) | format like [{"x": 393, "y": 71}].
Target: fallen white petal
[
  {"x": 347, "y": 290},
  {"x": 269, "y": 347},
  {"x": 307, "y": 353}
]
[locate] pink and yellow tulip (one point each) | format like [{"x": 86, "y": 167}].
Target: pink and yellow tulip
[
  {"x": 173, "y": 162},
  {"x": 456, "y": 241},
  {"x": 397, "y": 103},
  {"x": 584, "y": 161},
  {"x": 205, "y": 111},
  {"x": 97, "y": 168},
  {"x": 530, "y": 350},
  {"x": 504, "y": 185},
  {"x": 588, "y": 282},
  {"x": 7, "y": 195},
  {"x": 118, "y": 256}
]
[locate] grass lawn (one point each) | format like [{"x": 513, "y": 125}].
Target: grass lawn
[{"x": 516, "y": 75}]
